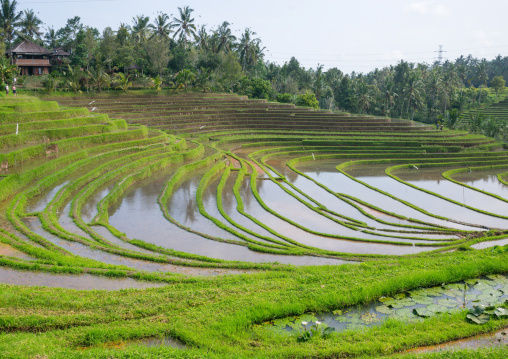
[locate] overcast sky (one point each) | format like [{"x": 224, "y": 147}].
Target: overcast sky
[{"x": 356, "y": 35}]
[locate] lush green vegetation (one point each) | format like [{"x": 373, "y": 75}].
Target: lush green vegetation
[
  {"x": 176, "y": 53},
  {"x": 240, "y": 153}
]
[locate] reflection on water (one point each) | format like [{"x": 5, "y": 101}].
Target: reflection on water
[
  {"x": 338, "y": 182},
  {"x": 82, "y": 281},
  {"x": 493, "y": 340},
  {"x": 436, "y": 183},
  {"x": 138, "y": 215},
  {"x": 484, "y": 180}
]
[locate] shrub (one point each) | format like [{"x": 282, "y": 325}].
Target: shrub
[{"x": 307, "y": 99}]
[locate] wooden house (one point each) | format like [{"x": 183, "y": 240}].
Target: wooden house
[{"x": 31, "y": 58}]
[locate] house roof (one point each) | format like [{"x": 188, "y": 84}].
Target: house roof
[
  {"x": 134, "y": 67},
  {"x": 59, "y": 51},
  {"x": 29, "y": 48}
]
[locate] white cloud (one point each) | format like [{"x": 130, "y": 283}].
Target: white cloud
[{"x": 426, "y": 8}]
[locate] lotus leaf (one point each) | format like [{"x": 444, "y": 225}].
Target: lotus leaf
[
  {"x": 487, "y": 298},
  {"x": 483, "y": 285},
  {"x": 397, "y": 305},
  {"x": 477, "y": 310},
  {"x": 405, "y": 313},
  {"x": 422, "y": 312},
  {"x": 418, "y": 293},
  {"x": 435, "y": 308},
  {"x": 448, "y": 302},
  {"x": 480, "y": 319},
  {"x": 454, "y": 286},
  {"x": 424, "y": 300},
  {"x": 370, "y": 318},
  {"x": 435, "y": 291},
  {"x": 384, "y": 309},
  {"x": 498, "y": 278},
  {"x": 471, "y": 297},
  {"x": 306, "y": 318},
  {"x": 454, "y": 293},
  {"x": 296, "y": 326},
  {"x": 471, "y": 281},
  {"x": 501, "y": 312},
  {"x": 356, "y": 321},
  {"x": 282, "y": 323},
  {"x": 496, "y": 293},
  {"x": 385, "y": 299},
  {"x": 328, "y": 331}
]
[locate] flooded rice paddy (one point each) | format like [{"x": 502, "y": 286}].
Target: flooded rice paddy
[{"x": 333, "y": 216}]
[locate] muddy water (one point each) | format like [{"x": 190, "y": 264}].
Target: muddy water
[
  {"x": 434, "y": 182},
  {"x": 335, "y": 204},
  {"x": 497, "y": 339},
  {"x": 483, "y": 245},
  {"x": 82, "y": 281},
  {"x": 45, "y": 198},
  {"x": 326, "y": 174},
  {"x": 283, "y": 203},
  {"x": 89, "y": 208},
  {"x": 183, "y": 206},
  {"x": 432, "y": 204},
  {"x": 485, "y": 181},
  {"x": 104, "y": 257},
  {"x": 139, "y": 216},
  {"x": 253, "y": 208},
  {"x": 229, "y": 204}
]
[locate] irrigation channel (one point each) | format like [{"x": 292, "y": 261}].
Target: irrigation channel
[{"x": 156, "y": 188}]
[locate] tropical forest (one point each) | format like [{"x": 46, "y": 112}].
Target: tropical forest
[{"x": 167, "y": 191}]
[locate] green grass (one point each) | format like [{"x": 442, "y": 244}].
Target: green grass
[{"x": 223, "y": 316}]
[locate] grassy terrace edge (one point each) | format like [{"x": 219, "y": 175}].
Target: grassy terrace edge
[{"x": 216, "y": 317}]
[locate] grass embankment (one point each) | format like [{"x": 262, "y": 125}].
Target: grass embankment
[{"x": 220, "y": 317}]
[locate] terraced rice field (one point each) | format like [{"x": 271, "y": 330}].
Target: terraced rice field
[
  {"x": 137, "y": 191},
  {"x": 498, "y": 110},
  {"x": 165, "y": 184}
]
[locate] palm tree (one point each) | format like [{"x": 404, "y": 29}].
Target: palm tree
[
  {"x": 184, "y": 78},
  {"x": 9, "y": 21},
  {"x": 248, "y": 48},
  {"x": 140, "y": 29},
  {"x": 73, "y": 78},
  {"x": 185, "y": 25},
  {"x": 123, "y": 82},
  {"x": 161, "y": 26},
  {"x": 364, "y": 97},
  {"x": 449, "y": 83},
  {"x": 30, "y": 24},
  {"x": 412, "y": 92},
  {"x": 481, "y": 75},
  {"x": 157, "y": 83},
  {"x": 50, "y": 38},
  {"x": 98, "y": 77},
  {"x": 202, "y": 38},
  {"x": 225, "y": 37},
  {"x": 452, "y": 118}
]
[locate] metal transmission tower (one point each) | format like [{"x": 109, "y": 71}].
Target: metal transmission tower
[{"x": 440, "y": 54}]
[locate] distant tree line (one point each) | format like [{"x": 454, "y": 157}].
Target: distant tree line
[{"x": 178, "y": 53}]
